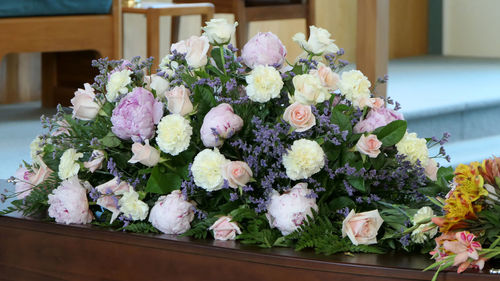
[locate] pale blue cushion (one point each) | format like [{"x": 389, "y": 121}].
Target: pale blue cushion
[{"x": 30, "y": 8}]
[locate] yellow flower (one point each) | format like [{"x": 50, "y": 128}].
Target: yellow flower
[
  {"x": 469, "y": 181},
  {"x": 459, "y": 207}
]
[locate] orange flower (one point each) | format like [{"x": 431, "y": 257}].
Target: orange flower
[
  {"x": 458, "y": 208},
  {"x": 490, "y": 169}
]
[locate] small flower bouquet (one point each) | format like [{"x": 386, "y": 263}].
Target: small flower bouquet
[
  {"x": 247, "y": 147},
  {"x": 471, "y": 217}
]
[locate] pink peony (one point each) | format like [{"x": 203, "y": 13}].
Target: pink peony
[
  {"x": 172, "y": 214},
  {"x": 135, "y": 116},
  {"x": 377, "y": 117},
  {"x": 220, "y": 123},
  {"x": 288, "y": 211},
  {"x": 263, "y": 49},
  {"x": 68, "y": 203},
  {"x": 224, "y": 229}
]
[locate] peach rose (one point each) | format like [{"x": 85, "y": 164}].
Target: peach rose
[
  {"x": 371, "y": 102},
  {"x": 362, "y": 228},
  {"x": 299, "y": 116},
  {"x": 96, "y": 162},
  {"x": 178, "y": 101},
  {"x": 431, "y": 169},
  {"x": 369, "y": 145},
  {"x": 225, "y": 229},
  {"x": 84, "y": 106},
  {"x": 26, "y": 180},
  {"x": 195, "y": 48},
  {"x": 145, "y": 154},
  {"x": 328, "y": 78},
  {"x": 108, "y": 199},
  {"x": 237, "y": 173}
]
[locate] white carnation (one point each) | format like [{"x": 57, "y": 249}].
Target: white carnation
[
  {"x": 354, "y": 86},
  {"x": 69, "y": 166},
  {"x": 305, "y": 159},
  {"x": 288, "y": 211},
  {"x": 264, "y": 83},
  {"x": 207, "y": 169},
  {"x": 132, "y": 207},
  {"x": 414, "y": 149},
  {"x": 309, "y": 90},
  {"x": 117, "y": 84},
  {"x": 172, "y": 214},
  {"x": 424, "y": 231},
  {"x": 173, "y": 134}
]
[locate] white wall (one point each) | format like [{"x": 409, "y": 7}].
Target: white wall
[{"x": 471, "y": 28}]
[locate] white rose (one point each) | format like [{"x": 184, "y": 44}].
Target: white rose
[
  {"x": 264, "y": 83},
  {"x": 172, "y": 214},
  {"x": 195, "y": 48},
  {"x": 219, "y": 31},
  {"x": 354, "y": 86},
  {"x": 144, "y": 154},
  {"x": 96, "y": 162},
  {"x": 318, "y": 43},
  {"x": 69, "y": 166},
  {"x": 132, "y": 207},
  {"x": 159, "y": 84},
  {"x": 84, "y": 106},
  {"x": 178, "y": 101},
  {"x": 117, "y": 84},
  {"x": 288, "y": 211},
  {"x": 431, "y": 169},
  {"x": 424, "y": 231},
  {"x": 362, "y": 228},
  {"x": 207, "y": 169},
  {"x": 173, "y": 134},
  {"x": 414, "y": 149},
  {"x": 165, "y": 66},
  {"x": 36, "y": 149},
  {"x": 304, "y": 159},
  {"x": 308, "y": 89}
]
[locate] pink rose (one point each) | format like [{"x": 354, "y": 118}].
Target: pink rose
[
  {"x": 84, "y": 106},
  {"x": 362, "y": 228},
  {"x": 224, "y": 229},
  {"x": 68, "y": 203},
  {"x": 369, "y": 145},
  {"x": 220, "y": 123},
  {"x": 431, "y": 169},
  {"x": 178, "y": 101},
  {"x": 136, "y": 115},
  {"x": 328, "y": 78},
  {"x": 195, "y": 48},
  {"x": 377, "y": 117},
  {"x": 172, "y": 214},
  {"x": 237, "y": 173},
  {"x": 95, "y": 161},
  {"x": 263, "y": 49},
  {"x": 144, "y": 154},
  {"x": 109, "y": 191},
  {"x": 299, "y": 116},
  {"x": 371, "y": 102},
  {"x": 26, "y": 180}
]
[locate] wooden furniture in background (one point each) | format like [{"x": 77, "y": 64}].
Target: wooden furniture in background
[
  {"x": 56, "y": 35},
  {"x": 34, "y": 250},
  {"x": 246, "y": 11},
  {"x": 153, "y": 11}
]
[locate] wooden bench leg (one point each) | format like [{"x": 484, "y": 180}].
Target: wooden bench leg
[{"x": 49, "y": 79}]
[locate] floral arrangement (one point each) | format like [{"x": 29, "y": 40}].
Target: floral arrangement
[
  {"x": 247, "y": 147},
  {"x": 470, "y": 219}
]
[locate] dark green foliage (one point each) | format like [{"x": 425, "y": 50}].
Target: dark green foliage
[
  {"x": 392, "y": 133},
  {"x": 140, "y": 227},
  {"x": 199, "y": 228}
]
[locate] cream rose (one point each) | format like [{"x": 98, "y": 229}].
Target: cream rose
[
  {"x": 414, "y": 149},
  {"x": 145, "y": 154},
  {"x": 328, "y": 78},
  {"x": 131, "y": 206},
  {"x": 69, "y": 166},
  {"x": 362, "y": 228},
  {"x": 117, "y": 84},
  {"x": 224, "y": 229},
  {"x": 157, "y": 83},
  {"x": 219, "y": 31},
  {"x": 431, "y": 169},
  {"x": 95, "y": 161},
  {"x": 173, "y": 134},
  {"x": 354, "y": 86},
  {"x": 195, "y": 48},
  {"x": 318, "y": 43},
  {"x": 207, "y": 169},
  {"x": 264, "y": 84},
  {"x": 178, "y": 101},
  {"x": 84, "y": 105},
  {"x": 304, "y": 159},
  {"x": 299, "y": 116},
  {"x": 369, "y": 145},
  {"x": 308, "y": 89},
  {"x": 237, "y": 173}
]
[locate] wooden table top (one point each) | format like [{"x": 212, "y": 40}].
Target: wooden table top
[{"x": 143, "y": 7}]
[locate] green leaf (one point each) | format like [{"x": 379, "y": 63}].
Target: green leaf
[
  {"x": 343, "y": 121},
  {"x": 340, "y": 203},
  {"x": 163, "y": 183},
  {"x": 358, "y": 183},
  {"x": 392, "y": 133},
  {"x": 110, "y": 140},
  {"x": 216, "y": 55},
  {"x": 332, "y": 151}
]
